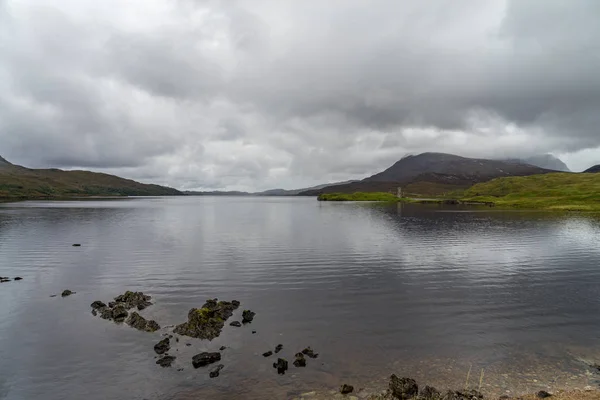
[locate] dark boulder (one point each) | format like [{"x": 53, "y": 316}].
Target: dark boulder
[
  {"x": 237, "y": 324},
  {"x": 309, "y": 353},
  {"x": 247, "y": 316},
  {"x": 403, "y": 388},
  {"x": 222, "y": 348},
  {"x": 119, "y": 313},
  {"x": 268, "y": 354},
  {"x": 166, "y": 361},
  {"x": 18, "y": 278},
  {"x": 98, "y": 304},
  {"x": 66, "y": 293},
  {"x": 163, "y": 346},
  {"x": 429, "y": 393},
  {"x": 208, "y": 321},
  {"x": 300, "y": 361},
  {"x": 278, "y": 348},
  {"x": 131, "y": 300},
  {"x": 281, "y": 365},
  {"x": 76, "y": 244},
  {"x": 235, "y": 304},
  {"x": 542, "y": 394},
  {"x": 346, "y": 389},
  {"x": 136, "y": 321},
  {"x": 203, "y": 359},
  {"x": 4, "y": 279},
  {"x": 106, "y": 313},
  {"x": 214, "y": 372}
]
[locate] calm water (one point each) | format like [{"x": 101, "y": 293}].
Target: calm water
[{"x": 420, "y": 291}]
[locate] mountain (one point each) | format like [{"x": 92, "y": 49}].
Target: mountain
[
  {"x": 270, "y": 192},
  {"x": 595, "y": 169},
  {"x": 20, "y": 182},
  {"x": 546, "y": 161},
  {"x": 434, "y": 174}
]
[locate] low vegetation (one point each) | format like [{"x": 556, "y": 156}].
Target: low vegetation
[
  {"x": 558, "y": 191},
  {"x": 359, "y": 196}
]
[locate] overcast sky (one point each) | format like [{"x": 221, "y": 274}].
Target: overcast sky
[{"x": 259, "y": 94}]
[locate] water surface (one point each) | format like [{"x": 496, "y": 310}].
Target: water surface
[{"x": 416, "y": 290}]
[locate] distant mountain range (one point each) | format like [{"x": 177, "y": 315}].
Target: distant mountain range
[
  {"x": 595, "y": 169},
  {"x": 21, "y": 182},
  {"x": 434, "y": 174},
  {"x": 547, "y": 161},
  {"x": 270, "y": 192}
]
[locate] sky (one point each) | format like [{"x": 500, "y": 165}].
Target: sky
[{"x": 253, "y": 95}]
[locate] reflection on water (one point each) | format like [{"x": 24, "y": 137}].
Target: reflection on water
[{"x": 422, "y": 291}]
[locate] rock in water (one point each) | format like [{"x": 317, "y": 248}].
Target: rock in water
[
  {"x": 542, "y": 394},
  {"x": 345, "y": 389},
  {"x": 130, "y": 300},
  {"x": 119, "y": 313},
  {"x": 136, "y": 321},
  {"x": 281, "y": 365},
  {"x": 66, "y": 293},
  {"x": 429, "y": 392},
  {"x": 166, "y": 361},
  {"x": 403, "y": 388},
  {"x": 222, "y": 348},
  {"x": 309, "y": 353},
  {"x": 237, "y": 324},
  {"x": 203, "y": 359},
  {"x": 215, "y": 371},
  {"x": 163, "y": 346},
  {"x": 247, "y": 316},
  {"x": 278, "y": 348},
  {"x": 300, "y": 360},
  {"x": 18, "y": 278},
  {"x": 98, "y": 304},
  {"x": 76, "y": 244},
  {"x": 208, "y": 321}
]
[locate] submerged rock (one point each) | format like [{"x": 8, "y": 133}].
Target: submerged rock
[
  {"x": 163, "y": 346},
  {"x": 66, "y": 293},
  {"x": 208, "y": 321},
  {"x": 97, "y": 304},
  {"x": 300, "y": 360},
  {"x": 345, "y": 389},
  {"x": 222, "y": 348},
  {"x": 237, "y": 324},
  {"x": 136, "y": 321},
  {"x": 166, "y": 361},
  {"x": 268, "y": 354},
  {"x": 281, "y": 365},
  {"x": 247, "y": 316},
  {"x": 76, "y": 244},
  {"x": 215, "y": 371},
  {"x": 17, "y": 278},
  {"x": 4, "y": 279},
  {"x": 205, "y": 358},
  {"x": 429, "y": 392},
  {"x": 278, "y": 348},
  {"x": 309, "y": 352},
  {"x": 403, "y": 388}
]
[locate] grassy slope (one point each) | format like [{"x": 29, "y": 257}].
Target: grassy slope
[
  {"x": 358, "y": 196},
  {"x": 558, "y": 191},
  {"x": 19, "y": 182}
]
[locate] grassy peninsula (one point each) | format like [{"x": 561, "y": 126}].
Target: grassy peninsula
[
  {"x": 555, "y": 191},
  {"x": 558, "y": 191}
]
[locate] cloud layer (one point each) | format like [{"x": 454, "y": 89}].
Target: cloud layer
[{"x": 262, "y": 94}]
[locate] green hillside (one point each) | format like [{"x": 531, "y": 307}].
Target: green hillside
[
  {"x": 20, "y": 182},
  {"x": 557, "y": 191}
]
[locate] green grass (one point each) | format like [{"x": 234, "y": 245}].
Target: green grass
[
  {"x": 559, "y": 191},
  {"x": 359, "y": 196}
]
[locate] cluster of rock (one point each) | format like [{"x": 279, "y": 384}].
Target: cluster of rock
[
  {"x": 208, "y": 321},
  {"x": 300, "y": 361},
  {"x": 407, "y": 389},
  {"x": 118, "y": 310},
  {"x": 7, "y": 279}
]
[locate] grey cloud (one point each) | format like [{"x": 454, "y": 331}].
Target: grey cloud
[{"x": 238, "y": 95}]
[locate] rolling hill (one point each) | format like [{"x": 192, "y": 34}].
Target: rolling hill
[
  {"x": 593, "y": 170},
  {"x": 432, "y": 174},
  {"x": 21, "y": 182}
]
